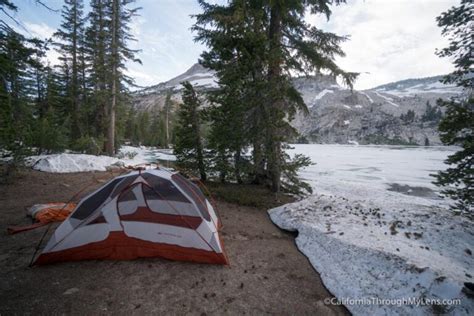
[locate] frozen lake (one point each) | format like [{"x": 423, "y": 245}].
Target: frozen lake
[{"x": 345, "y": 167}]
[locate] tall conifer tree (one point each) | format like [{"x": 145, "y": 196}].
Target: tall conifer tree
[
  {"x": 294, "y": 46},
  {"x": 457, "y": 126},
  {"x": 70, "y": 36},
  {"x": 119, "y": 52},
  {"x": 189, "y": 149},
  {"x": 97, "y": 43},
  {"x": 254, "y": 46}
]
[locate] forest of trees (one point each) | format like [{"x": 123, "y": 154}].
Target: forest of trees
[
  {"x": 81, "y": 104},
  {"x": 153, "y": 128},
  {"x": 84, "y": 104},
  {"x": 254, "y": 46}
]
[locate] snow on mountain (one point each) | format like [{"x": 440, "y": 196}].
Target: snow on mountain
[
  {"x": 374, "y": 113},
  {"x": 412, "y": 87},
  {"x": 322, "y": 94},
  {"x": 388, "y": 99},
  {"x": 368, "y": 96},
  {"x": 197, "y": 75}
]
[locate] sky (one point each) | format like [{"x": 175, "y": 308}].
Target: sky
[{"x": 390, "y": 40}]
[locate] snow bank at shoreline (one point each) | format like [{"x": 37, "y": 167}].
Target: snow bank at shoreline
[
  {"x": 69, "y": 162},
  {"x": 363, "y": 251},
  {"x": 377, "y": 229}
]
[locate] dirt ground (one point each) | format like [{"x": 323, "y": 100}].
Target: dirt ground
[{"x": 268, "y": 275}]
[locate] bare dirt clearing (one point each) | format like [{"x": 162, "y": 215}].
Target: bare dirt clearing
[{"x": 267, "y": 273}]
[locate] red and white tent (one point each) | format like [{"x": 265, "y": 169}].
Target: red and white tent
[{"x": 152, "y": 213}]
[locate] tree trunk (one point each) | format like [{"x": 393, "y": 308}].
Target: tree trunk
[
  {"x": 258, "y": 162},
  {"x": 100, "y": 67},
  {"x": 274, "y": 108},
  {"x": 111, "y": 118},
  {"x": 200, "y": 156},
  {"x": 74, "y": 79},
  {"x": 43, "y": 106},
  {"x": 223, "y": 171},
  {"x": 111, "y": 127},
  {"x": 167, "y": 134},
  {"x": 199, "y": 147},
  {"x": 237, "y": 164}
]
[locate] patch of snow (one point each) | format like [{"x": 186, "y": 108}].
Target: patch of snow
[
  {"x": 383, "y": 96},
  {"x": 353, "y": 142},
  {"x": 388, "y": 99},
  {"x": 371, "y": 243},
  {"x": 336, "y": 86},
  {"x": 211, "y": 82},
  {"x": 203, "y": 82},
  {"x": 412, "y": 92},
  {"x": 69, "y": 162},
  {"x": 368, "y": 96},
  {"x": 358, "y": 106},
  {"x": 347, "y": 122},
  {"x": 322, "y": 94},
  {"x": 144, "y": 155},
  {"x": 5, "y": 155},
  {"x": 434, "y": 87},
  {"x": 439, "y": 85},
  {"x": 203, "y": 74},
  {"x": 64, "y": 163},
  {"x": 347, "y": 106}
]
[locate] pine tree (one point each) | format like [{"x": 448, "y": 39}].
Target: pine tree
[
  {"x": 167, "y": 108},
  {"x": 408, "y": 117},
  {"x": 456, "y": 128},
  {"x": 236, "y": 55},
  {"x": 254, "y": 46},
  {"x": 70, "y": 36},
  {"x": 96, "y": 45},
  {"x": 26, "y": 101},
  {"x": 49, "y": 127},
  {"x": 432, "y": 113},
  {"x": 18, "y": 69},
  {"x": 118, "y": 54},
  {"x": 294, "y": 46},
  {"x": 227, "y": 137},
  {"x": 188, "y": 147},
  {"x": 32, "y": 113}
]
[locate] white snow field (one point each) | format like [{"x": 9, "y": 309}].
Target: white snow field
[
  {"x": 322, "y": 94},
  {"x": 128, "y": 156},
  {"x": 376, "y": 230}
]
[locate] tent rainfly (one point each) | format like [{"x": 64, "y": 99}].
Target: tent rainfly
[{"x": 151, "y": 213}]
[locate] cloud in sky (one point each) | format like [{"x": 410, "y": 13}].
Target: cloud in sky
[
  {"x": 43, "y": 31},
  {"x": 165, "y": 40},
  {"x": 390, "y": 39}
]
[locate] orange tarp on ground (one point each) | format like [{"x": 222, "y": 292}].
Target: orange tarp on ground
[
  {"x": 44, "y": 214},
  {"x": 54, "y": 212}
]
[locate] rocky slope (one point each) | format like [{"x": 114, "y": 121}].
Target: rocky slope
[
  {"x": 337, "y": 114},
  {"x": 154, "y": 96}
]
